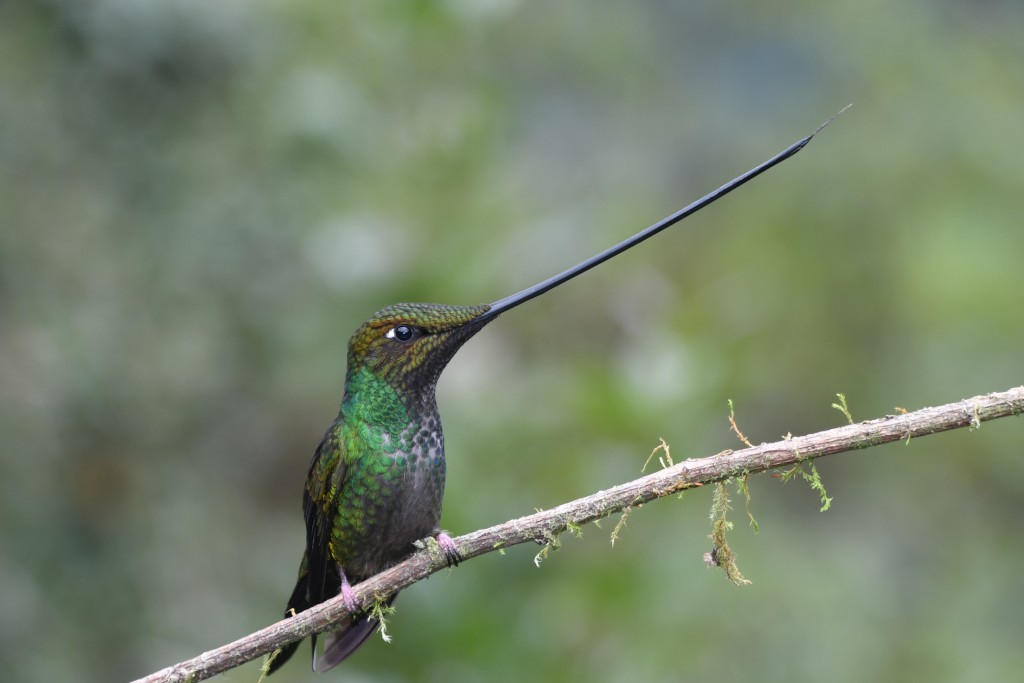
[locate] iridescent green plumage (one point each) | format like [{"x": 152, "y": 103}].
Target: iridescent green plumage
[{"x": 376, "y": 480}]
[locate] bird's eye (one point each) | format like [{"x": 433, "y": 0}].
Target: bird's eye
[{"x": 402, "y": 333}]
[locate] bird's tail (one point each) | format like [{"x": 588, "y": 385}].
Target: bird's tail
[
  {"x": 338, "y": 645},
  {"x": 298, "y": 602}
]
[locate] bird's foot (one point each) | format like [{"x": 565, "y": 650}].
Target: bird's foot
[
  {"x": 348, "y": 596},
  {"x": 447, "y": 545}
]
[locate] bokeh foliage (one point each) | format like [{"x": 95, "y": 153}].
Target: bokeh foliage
[{"x": 199, "y": 201}]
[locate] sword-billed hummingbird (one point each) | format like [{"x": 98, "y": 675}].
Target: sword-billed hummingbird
[{"x": 376, "y": 481}]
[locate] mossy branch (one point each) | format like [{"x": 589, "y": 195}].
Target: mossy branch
[{"x": 548, "y": 524}]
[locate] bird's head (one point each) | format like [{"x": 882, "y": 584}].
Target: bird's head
[{"x": 408, "y": 345}]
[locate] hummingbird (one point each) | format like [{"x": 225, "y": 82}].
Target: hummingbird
[{"x": 376, "y": 481}]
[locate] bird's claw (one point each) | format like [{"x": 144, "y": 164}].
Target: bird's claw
[
  {"x": 348, "y": 596},
  {"x": 451, "y": 553}
]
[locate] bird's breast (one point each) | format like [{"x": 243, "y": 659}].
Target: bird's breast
[{"x": 398, "y": 493}]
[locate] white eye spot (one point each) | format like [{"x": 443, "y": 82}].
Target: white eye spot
[{"x": 402, "y": 333}]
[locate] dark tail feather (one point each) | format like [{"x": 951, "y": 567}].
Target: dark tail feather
[
  {"x": 338, "y": 645},
  {"x": 298, "y": 602}
]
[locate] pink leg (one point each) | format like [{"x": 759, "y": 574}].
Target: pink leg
[
  {"x": 451, "y": 553},
  {"x": 347, "y": 595}
]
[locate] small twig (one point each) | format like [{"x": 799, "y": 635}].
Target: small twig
[
  {"x": 732, "y": 416},
  {"x": 621, "y": 524},
  {"x": 843, "y": 408}
]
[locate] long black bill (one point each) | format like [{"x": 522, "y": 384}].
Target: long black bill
[{"x": 514, "y": 300}]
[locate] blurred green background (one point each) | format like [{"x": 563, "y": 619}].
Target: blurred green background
[{"x": 200, "y": 201}]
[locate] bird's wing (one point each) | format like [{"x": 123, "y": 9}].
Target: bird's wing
[{"x": 326, "y": 474}]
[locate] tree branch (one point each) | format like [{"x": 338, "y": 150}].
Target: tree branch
[{"x": 545, "y": 526}]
